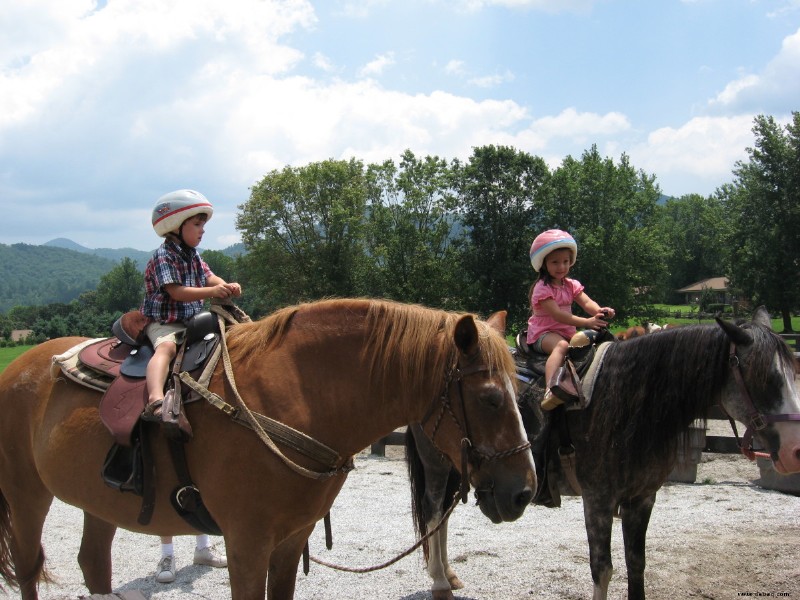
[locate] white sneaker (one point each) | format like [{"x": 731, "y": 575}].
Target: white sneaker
[
  {"x": 166, "y": 570},
  {"x": 206, "y": 557}
]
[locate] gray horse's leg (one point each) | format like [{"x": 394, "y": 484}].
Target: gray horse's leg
[
  {"x": 635, "y": 518},
  {"x": 598, "y": 515}
]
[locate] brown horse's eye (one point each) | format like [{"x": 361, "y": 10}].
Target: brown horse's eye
[{"x": 492, "y": 397}]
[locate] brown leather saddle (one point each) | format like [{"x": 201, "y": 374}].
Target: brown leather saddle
[{"x": 123, "y": 401}]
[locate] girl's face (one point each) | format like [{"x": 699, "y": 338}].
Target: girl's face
[
  {"x": 193, "y": 229},
  {"x": 557, "y": 263}
]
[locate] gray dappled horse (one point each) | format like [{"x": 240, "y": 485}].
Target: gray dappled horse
[{"x": 648, "y": 392}]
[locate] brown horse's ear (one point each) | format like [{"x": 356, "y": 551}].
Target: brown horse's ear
[
  {"x": 737, "y": 335},
  {"x": 466, "y": 335},
  {"x": 497, "y": 321}
]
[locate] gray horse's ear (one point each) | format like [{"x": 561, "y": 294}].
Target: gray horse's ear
[
  {"x": 497, "y": 321},
  {"x": 466, "y": 335},
  {"x": 739, "y": 336},
  {"x": 761, "y": 317}
]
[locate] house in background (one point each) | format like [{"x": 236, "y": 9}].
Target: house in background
[
  {"x": 20, "y": 334},
  {"x": 718, "y": 286}
]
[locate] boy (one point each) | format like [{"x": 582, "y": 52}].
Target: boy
[{"x": 176, "y": 281}]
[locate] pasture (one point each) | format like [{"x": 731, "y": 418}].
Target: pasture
[{"x": 9, "y": 354}]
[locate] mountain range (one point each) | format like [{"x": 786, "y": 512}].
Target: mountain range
[{"x": 61, "y": 270}]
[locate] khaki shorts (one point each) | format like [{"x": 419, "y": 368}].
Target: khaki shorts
[{"x": 158, "y": 333}]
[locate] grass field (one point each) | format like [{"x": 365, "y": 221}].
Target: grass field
[{"x": 9, "y": 354}]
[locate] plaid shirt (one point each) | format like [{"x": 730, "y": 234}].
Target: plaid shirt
[{"x": 173, "y": 262}]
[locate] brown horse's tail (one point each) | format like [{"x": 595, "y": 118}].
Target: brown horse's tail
[{"x": 7, "y": 570}]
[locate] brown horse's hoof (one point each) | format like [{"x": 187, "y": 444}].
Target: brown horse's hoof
[
  {"x": 442, "y": 595},
  {"x": 455, "y": 582}
]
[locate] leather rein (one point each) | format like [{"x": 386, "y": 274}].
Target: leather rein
[
  {"x": 756, "y": 421},
  {"x": 469, "y": 453}
]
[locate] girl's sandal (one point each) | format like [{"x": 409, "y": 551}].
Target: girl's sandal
[{"x": 152, "y": 412}]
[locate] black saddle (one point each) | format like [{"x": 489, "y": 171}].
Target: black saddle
[{"x": 202, "y": 335}]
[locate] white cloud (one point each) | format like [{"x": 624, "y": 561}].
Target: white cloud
[
  {"x": 550, "y": 6},
  {"x": 454, "y": 67},
  {"x": 489, "y": 81},
  {"x": 377, "y": 65},
  {"x": 777, "y": 85},
  {"x": 697, "y": 155}
]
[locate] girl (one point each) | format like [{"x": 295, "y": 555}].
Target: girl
[{"x": 552, "y": 323}]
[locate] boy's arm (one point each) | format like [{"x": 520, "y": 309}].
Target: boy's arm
[{"x": 220, "y": 289}]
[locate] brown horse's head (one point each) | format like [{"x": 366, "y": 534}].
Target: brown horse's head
[{"x": 477, "y": 423}]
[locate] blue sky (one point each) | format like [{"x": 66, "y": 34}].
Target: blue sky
[{"x": 105, "y": 106}]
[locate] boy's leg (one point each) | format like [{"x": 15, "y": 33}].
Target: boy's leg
[
  {"x": 157, "y": 370},
  {"x": 165, "y": 573}
]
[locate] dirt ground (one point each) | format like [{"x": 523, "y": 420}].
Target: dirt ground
[{"x": 721, "y": 538}]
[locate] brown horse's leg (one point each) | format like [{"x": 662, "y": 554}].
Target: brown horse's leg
[
  {"x": 248, "y": 561},
  {"x": 283, "y": 565},
  {"x": 26, "y": 524},
  {"x": 94, "y": 556}
]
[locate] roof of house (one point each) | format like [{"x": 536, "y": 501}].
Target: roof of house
[{"x": 715, "y": 284}]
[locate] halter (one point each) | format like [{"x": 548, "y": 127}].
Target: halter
[
  {"x": 756, "y": 421},
  {"x": 469, "y": 453}
]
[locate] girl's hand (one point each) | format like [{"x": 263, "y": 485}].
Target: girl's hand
[
  {"x": 596, "y": 322},
  {"x": 608, "y": 312}
]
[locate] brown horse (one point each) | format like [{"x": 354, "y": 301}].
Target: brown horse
[{"x": 344, "y": 372}]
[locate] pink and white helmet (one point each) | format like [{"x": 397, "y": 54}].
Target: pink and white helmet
[
  {"x": 550, "y": 240},
  {"x": 174, "y": 208}
]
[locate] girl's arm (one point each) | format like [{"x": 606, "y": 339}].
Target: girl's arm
[
  {"x": 551, "y": 308},
  {"x": 593, "y": 308}
]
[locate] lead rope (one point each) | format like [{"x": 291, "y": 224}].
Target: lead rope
[
  {"x": 400, "y": 556},
  {"x": 262, "y": 434}
]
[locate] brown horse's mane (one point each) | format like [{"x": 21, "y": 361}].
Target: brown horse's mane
[{"x": 410, "y": 337}]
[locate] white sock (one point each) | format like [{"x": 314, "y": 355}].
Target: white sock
[
  {"x": 202, "y": 541},
  {"x": 166, "y": 550}
]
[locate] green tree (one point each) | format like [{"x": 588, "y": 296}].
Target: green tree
[
  {"x": 500, "y": 194},
  {"x": 763, "y": 205},
  {"x": 303, "y": 229},
  {"x": 409, "y": 230},
  {"x": 122, "y": 288},
  {"x": 221, "y": 264},
  {"x": 693, "y": 228},
  {"x": 610, "y": 209}
]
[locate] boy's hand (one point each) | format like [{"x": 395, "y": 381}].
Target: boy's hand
[
  {"x": 235, "y": 289},
  {"x": 221, "y": 291}
]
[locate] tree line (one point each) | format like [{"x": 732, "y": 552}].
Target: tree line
[{"x": 456, "y": 234}]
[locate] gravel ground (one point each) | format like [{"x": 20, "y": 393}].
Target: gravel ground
[{"x": 721, "y": 538}]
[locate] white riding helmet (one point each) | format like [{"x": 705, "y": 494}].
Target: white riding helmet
[{"x": 174, "y": 208}]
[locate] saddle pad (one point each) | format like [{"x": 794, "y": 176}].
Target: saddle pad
[
  {"x": 587, "y": 383},
  {"x": 70, "y": 365}
]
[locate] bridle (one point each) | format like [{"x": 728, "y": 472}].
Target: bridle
[
  {"x": 756, "y": 421},
  {"x": 470, "y": 455}
]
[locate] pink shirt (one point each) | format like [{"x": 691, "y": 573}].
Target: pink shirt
[{"x": 540, "y": 322}]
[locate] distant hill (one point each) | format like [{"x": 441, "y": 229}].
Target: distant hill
[
  {"x": 61, "y": 270},
  {"x": 140, "y": 257},
  {"x": 35, "y": 275}
]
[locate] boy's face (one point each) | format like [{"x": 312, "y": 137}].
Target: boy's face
[{"x": 192, "y": 230}]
